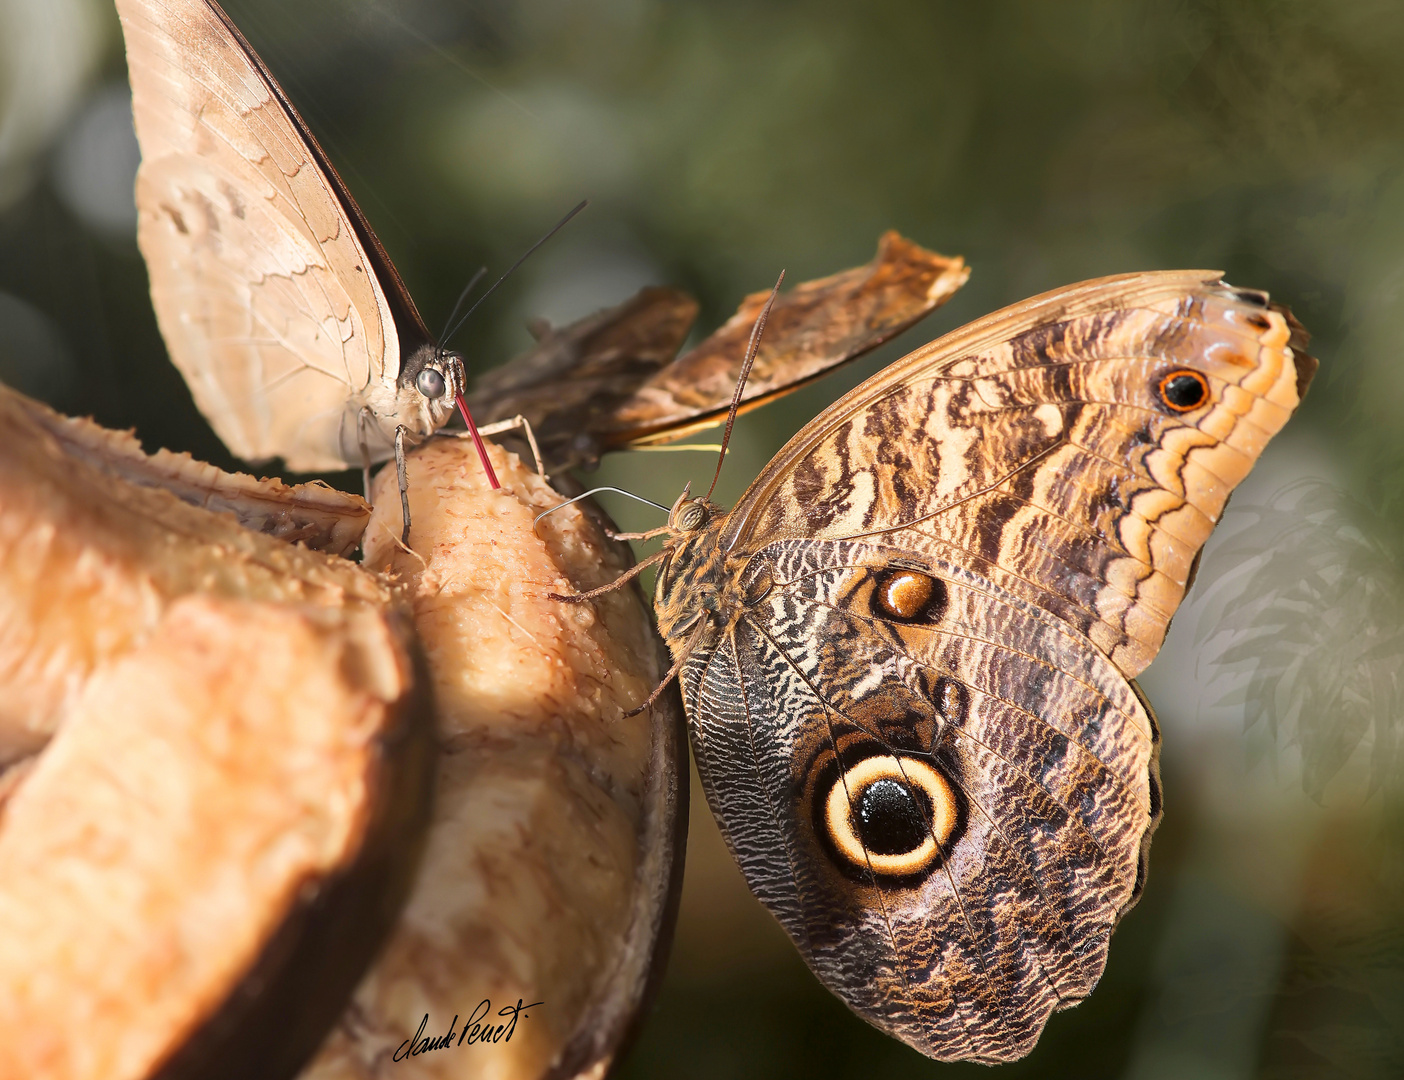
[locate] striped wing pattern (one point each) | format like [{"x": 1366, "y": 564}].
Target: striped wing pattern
[
  {"x": 1030, "y": 448},
  {"x": 936, "y": 598}
]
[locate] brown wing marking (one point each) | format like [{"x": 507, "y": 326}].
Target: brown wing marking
[
  {"x": 977, "y": 643},
  {"x": 570, "y": 384},
  {"x": 837, "y": 585},
  {"x": 845, "y": 657},
  {"x": 408, "y": 322},
  {"x": 756, "y": 840},
  {"x": 812, "y": 329},
  {"x": 1031, "y": 447},
  {"x": 995, "y": 998},
  {"x": 940, "y": 1012},
  {"x": 794, "y": 712}
]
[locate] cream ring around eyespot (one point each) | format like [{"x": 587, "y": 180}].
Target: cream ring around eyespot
[{"x": 910, "y": 773}]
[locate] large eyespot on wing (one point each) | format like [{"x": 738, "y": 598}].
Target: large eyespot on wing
[
  {"x": 813, "y": 328},
  {"x": 1075, "y": 449},
  {"x": 948, "y": 813},
  {"x": 277, "y": 303}
]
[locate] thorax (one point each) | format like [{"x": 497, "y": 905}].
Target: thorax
[{"x": 693, "y": 588}]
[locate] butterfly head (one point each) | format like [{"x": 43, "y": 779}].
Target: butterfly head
[
  {"x": 428, "y": 387},
  {"x": 690, "y": 515}
]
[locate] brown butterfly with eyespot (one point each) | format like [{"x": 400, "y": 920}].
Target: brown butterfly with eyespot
[{"x": 907, "y": 654}]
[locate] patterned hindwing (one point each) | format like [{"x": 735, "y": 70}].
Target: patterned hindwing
[
  {"x": 941, "y": 791},
  {"x": 1075, "y": 449}
]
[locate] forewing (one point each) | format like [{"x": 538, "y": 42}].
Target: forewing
[
  {"x": 1050, "y": 759},
  {"x": 812, "y": 329},
  {"x": 270, "y": 305},
  {"x": 569, "y": 385},
  {"x": 1036, "y": 448}
]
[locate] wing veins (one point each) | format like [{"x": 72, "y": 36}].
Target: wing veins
[
  {"x": 957, "y": 502},
  {"x": 1058, "y": 626},
  {"x": 989, "y": 693},
  {"x": 955, "y": 891},
  {"x": 760, "y": 779},
  {"x": 1028, "y": 871}
]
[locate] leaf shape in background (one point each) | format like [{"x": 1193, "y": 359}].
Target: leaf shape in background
[{"x": 1317, "y": 626}]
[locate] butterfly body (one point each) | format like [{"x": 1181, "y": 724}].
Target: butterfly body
[
  {"x": 907, "y": 654},
  {"x": 299, "y": 340},
  {"x": 277, "y": 302}
]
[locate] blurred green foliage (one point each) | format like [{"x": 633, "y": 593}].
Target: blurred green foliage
[{"x": 721, "y": 140}]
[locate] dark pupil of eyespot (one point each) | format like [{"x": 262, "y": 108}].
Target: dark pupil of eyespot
[
  {"x": 889, "y": 820},
  {"x": 431, "y": 383},
  {"x": 1184, "y": 391}
]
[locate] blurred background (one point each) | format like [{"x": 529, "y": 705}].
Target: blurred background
[{"x": 721, "y": 141}]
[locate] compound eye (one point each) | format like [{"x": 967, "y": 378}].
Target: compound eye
[
  {"x": 692, "y": 516},
  {"x": 431, "y": 383}
]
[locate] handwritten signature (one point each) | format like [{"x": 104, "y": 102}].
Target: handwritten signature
[{"x": 474, "y": 1030}]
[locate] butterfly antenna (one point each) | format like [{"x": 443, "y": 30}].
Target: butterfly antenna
[
  {"x": 751, "y": 351},
  {"x": 472, "y": 282},
  {"x": 557, "y": 227},
  {"x": 454, "y": 327},
  {"x": 593, "y": 491}
]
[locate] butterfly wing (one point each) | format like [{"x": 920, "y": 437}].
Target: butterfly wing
[
  {"x": 918, "y": 730},
  {"x": 1035, "y": 447},
  {"x": 614, "y": 380},
  {"x": 813, "y": 328},
  {"x": 570, "y": 384},
  {"x": 277, "y": 303},
  {"x": 959, "y": 921}
]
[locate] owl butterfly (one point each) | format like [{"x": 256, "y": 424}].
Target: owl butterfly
[{"x": 907, "y": 654}]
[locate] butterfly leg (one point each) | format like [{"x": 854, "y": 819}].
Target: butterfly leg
[
  {"x": 628, "y": 575},
  {"x": 518, "y": 422},
  {"x": 692, "y": 643},
  {"x": 403, "y": 477},
  {"x": 362, "y": 419},
  {"x": 662, "y": 530},
  {"x": 663, "y": 685}
]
